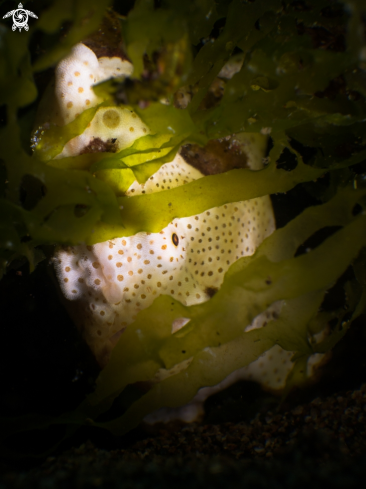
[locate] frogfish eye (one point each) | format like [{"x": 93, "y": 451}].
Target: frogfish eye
[{"x": 175, "y": 239}]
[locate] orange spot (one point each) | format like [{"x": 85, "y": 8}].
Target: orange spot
[
  {"x": 132, "y": 129},
  {"x": 120, "y": 277},
  {"x": 69, "y": 84},
  {"x": 80, "y": 89},
  {"x": 87, "y": 102},
  {"x": 69, "y": 105},
  {"x": 77, "y": 73}
]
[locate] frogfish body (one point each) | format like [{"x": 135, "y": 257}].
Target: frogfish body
[{"x": 110, "y": 282}]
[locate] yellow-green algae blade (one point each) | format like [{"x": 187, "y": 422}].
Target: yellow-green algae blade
[{"x": 250, "y": 286}]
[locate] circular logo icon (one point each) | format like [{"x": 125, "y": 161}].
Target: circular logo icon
[{"x": 20, "y": 18}]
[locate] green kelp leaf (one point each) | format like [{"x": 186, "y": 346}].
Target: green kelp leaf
[
  {"x": 199, "y": 15},
  {"x": 141, "y": 161},
  {"x": 214, "y": 364},
  {"x": 51, "y": 141},
  {"x": 112, "y": 163},
  {"x": 152, "y": 212},
  {"x": 72, "y": 203},
  {"x": 289, "y": 102},
  {"x": 331, "y": 340},
  {"x": 119, "y": 180},
  {"x": 145, "y": 146},
  {"x": 349, "y": 142},
  {"x": 284, "y": 243},
  {"x": 238, "y": 353},
  {"x": 128, "y": 365},
  {"x": 147, "y": 30},
  {"x": 164, "y": 119},
  {"x": 170, "y": 129},
  {"x": 143, "y": 171},
  {"x": 288, "y": 279},
  {"x": 15, "y": 160},
  {"x": 85, "y": 16},
  {"x": 81, "y": 162},
  {"x": 287, "y": 60},
  {"x": 119, "y": 176},
  {"x": 298, "y": 374},
  {"x": 246, "y": 291},
  {"x": 165, "y": 72},
  {"x": 208, "y": 367},
  {"x": 17, "y": 87},
  {"x": 144, "y": 149},
  {"x": 241, "y": 19},
  {"x": 291, "y": 329}
]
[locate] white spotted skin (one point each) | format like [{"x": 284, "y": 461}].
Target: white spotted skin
[
  {"x": 109, "y": 283},
  {"x": 116, "y": 279},
  {"x": 119, "y": 124},
  {"x": 71, "y": 93},
  {"x": 77, "y": 73}
]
